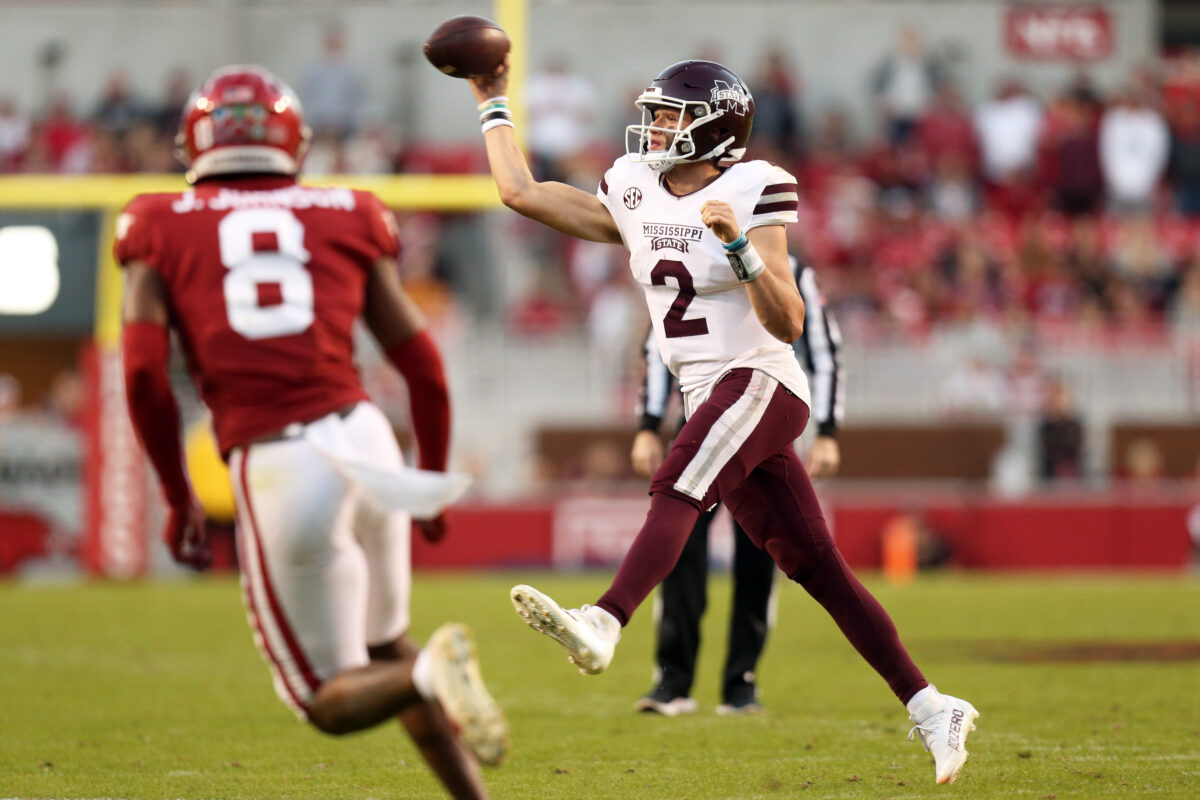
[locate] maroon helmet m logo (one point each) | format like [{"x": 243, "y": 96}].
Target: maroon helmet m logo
[{"x": 730, "y": 98}]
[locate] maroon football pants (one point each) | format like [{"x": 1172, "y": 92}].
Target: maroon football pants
[{"x": 737, "y": 447}]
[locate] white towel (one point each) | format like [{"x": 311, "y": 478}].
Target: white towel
[{"x": 423, "y": 493}]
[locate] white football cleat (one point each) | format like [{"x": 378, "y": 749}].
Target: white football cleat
[
  {"x": 944, "y": 723},
  {"x": 458, "y": 686},
  {"x": 590, "y": 634}
]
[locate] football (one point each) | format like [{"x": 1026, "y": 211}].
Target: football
[{"x": 466, "y": 46}]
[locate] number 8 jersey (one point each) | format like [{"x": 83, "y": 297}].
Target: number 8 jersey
[
  {"x": 264, "y": 279},
  {"x": 703, "y": 320}
]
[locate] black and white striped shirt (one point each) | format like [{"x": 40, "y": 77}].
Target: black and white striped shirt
[{"x": 816, "y": 350}]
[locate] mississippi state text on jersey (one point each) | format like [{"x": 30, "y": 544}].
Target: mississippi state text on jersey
[
  {"x": 264, "y": 279},
  {"x": 703, "y": 320}
]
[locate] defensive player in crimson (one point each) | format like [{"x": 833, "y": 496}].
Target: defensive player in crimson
[
  {"x": 705, "y": 233},
  {"x": 262, "y": 279}
]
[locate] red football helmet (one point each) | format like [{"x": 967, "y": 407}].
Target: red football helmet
[
  {"x": 242, "y": 119},
  {"x": 722, "y": 111}
]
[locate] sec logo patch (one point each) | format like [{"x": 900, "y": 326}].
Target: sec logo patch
[{"x": 633, "y": 197}]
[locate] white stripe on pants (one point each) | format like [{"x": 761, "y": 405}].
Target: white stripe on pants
[
  {"x": 726, "y": 436},
  {"x": 334, "y": 572}
]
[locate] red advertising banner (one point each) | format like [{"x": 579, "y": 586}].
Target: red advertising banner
[
  {"x": 1114, "y": 529},
  {"x": 1058, "y": 33}
]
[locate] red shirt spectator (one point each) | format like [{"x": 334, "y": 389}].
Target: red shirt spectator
[
  {"x": 947, "y": 130},
  {"x": 61, "y": 130}
]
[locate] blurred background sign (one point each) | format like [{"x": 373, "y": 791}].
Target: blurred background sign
[
  {"x": 48, "y": 272},
  {"x": 1053, "y": 32}
]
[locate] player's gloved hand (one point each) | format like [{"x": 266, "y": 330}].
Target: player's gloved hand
[
  {"x": 824, "y": 458},
  {"x": 486, "y": 87},
  {"x": 186, "y": 537},
  {"x": 647, "y": 454},
  {"x": 433, "y": 530}
]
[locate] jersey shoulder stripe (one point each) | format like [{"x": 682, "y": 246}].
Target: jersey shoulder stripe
[
  {"x": 778, "y": 197},
  {"x": 778, "y": 201},
  {"x": 781, "y": 193}
]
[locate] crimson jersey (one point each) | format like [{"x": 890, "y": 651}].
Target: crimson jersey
[{"x": 264, "y": 280}]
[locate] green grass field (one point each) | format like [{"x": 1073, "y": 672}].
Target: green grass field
[{"x": 156, "y": 691}]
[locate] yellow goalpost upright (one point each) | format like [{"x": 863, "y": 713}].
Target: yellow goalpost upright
[{"x": 115, "y": 536}]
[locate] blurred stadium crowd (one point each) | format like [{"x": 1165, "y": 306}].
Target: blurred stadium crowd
[
  {"x": 1025, "y": 263},
  {"x": 1082, "y": 207}
]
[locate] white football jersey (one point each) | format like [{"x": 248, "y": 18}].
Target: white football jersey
[{"x": 703, "y": 320}]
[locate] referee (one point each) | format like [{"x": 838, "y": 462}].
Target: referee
[{"x": 684, "y": 593}]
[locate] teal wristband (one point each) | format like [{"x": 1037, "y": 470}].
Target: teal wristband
[
  {"x": 744, "y": 260},
  {"x": 498, "y": 100}
]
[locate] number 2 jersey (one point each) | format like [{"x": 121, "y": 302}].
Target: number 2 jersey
[
  {"x": 264, "y": 280},
  {"x": 703, "y": 320}
]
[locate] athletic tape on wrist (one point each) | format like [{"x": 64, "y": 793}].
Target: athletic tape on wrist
[
  {"x": 499, "y": 100},
  {"x": 497, "y": 122},
  {"x": 497, "y": 113},
  {"x": 494, "y": 112},
  {"x": 745, "y": 261}
]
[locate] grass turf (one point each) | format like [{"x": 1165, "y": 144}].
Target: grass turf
[{"x": 154, "y": 690}]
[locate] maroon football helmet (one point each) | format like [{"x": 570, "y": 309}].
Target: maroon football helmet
[
  {"x": 243, "y": 119},
  {"x": 720, "y": 106}
]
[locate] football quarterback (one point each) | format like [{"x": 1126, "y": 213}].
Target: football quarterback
[{"x": 705, "y": 230}]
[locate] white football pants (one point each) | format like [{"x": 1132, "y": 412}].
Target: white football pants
[{"x": 324, "y": 573}]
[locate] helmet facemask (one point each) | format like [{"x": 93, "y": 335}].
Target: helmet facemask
[{"x": 682, "y": 147}]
